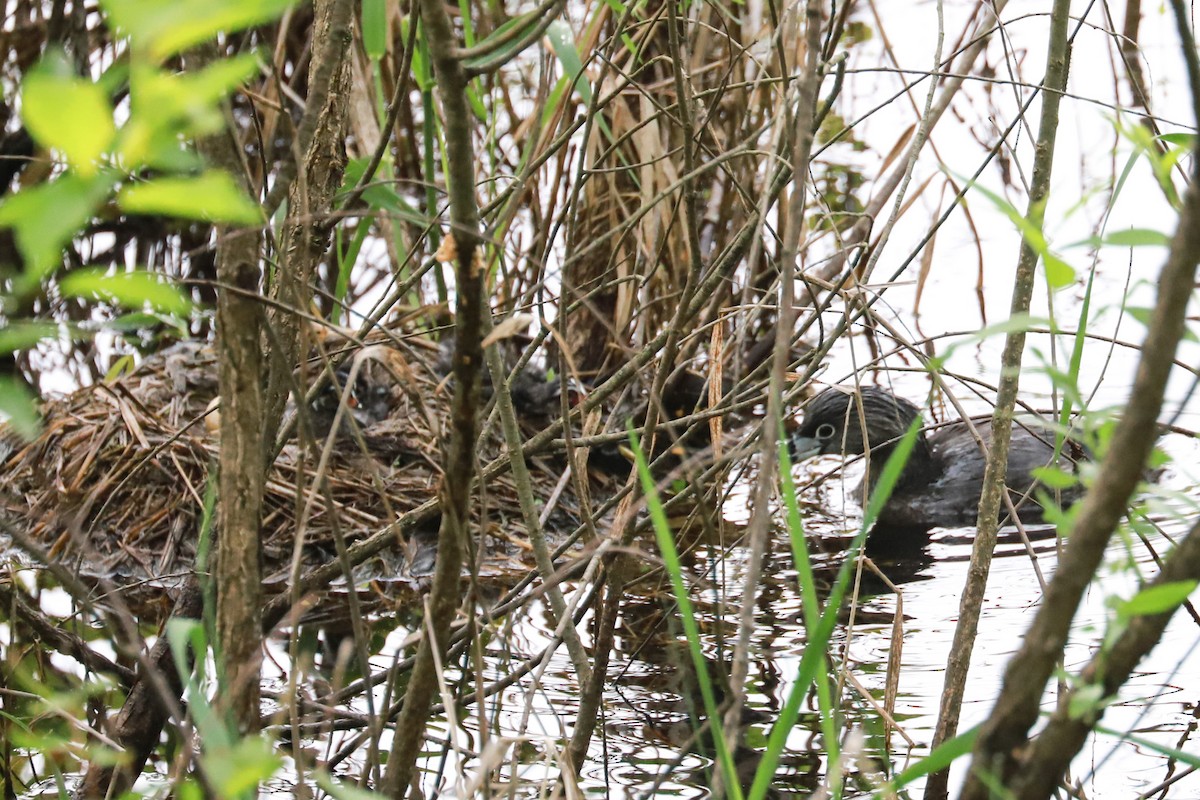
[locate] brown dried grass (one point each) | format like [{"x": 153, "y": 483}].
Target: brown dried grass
[{"x": 118, "y": 477}]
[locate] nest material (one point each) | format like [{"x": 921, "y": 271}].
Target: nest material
[{"x": 119, "y": 475}]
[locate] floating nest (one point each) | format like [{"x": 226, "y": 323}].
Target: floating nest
[{"x": 121, "y": 478}]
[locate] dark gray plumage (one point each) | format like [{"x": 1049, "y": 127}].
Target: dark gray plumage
[
  {"x": 533, "y": 393},
  {"x": 368, "y": 402},
  {"x": 943, "y": 479}
]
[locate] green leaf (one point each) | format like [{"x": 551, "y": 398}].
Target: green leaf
[
  {"x": 353, "y": 173},
  {"x": 380, "y": 196},
  {"x": 1144, "y": 315},
  {"x": 46, "y": 217},
  {"x": 189, "y": 789},
  {"x": 562, "y": 42},
  {"x": 167, "y": 154},
  {"x": 164, "y": 27},
  {"x": 1191, "y": 759},
  {"x": 1160, "y": 163},
  {"x": 943, "y": 756},
  {"x": 1055, "y": 478},
  {"x": 239, "y": 769},
  {"x": 167, "y": 106},
  {"x": 20, "y": 406},
  {"x": 1157, "y": 599},
  {"x": 384, "y": 198},
  {"x": 183, "y": 634},
  {"x": 140, "y": 321},
  {"x": 1131, "y": 237},
  {"x": 211, "y": 197},
  {"x": 374, "y": 28},
  {"x": 1058, "y": 272},
  {"x": 1063, "y": 519},
  {"x": 1085, "y": 701},
  {"x": 422, "y": 72},
  {"x": 201, "y": 89},
  {"x": 1018, "y": 322},
  {"x": 464, "y": 8},
  {"x": 24, "y": 335},
  {"x": 510, "y": 49},
  {"x": 1184, "y": 140},
  {"x": 128, "y": 289},
  {"x": 1139, "y": 237},
  {"x": 1159, "y": 458},
  {"x": 122, "y": 366},
  {"x": 1065, "y": 381},
  {"x": 67, "y": 113}
]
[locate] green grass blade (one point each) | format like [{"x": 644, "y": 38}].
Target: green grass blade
[{"x": 674, "y": 567}]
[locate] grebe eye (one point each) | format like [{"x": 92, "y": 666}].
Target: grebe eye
[{"x": 825, "y": 431}]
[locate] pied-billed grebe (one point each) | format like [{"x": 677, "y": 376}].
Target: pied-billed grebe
[
  {"x": 943, "y": 479},
  {"x": 368, "y": 402}
]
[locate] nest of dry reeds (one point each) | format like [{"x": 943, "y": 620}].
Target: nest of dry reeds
[{"x": 118, "y": 478}]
